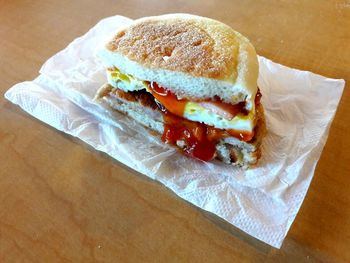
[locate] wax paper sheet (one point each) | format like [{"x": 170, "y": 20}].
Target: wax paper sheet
[{"x": 262, "y": 201}]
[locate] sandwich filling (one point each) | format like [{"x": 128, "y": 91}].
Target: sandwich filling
[
  {"x": 194, "y": 126},
  {"x": 211, "y": 112}
]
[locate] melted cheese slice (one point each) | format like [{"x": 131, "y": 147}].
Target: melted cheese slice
[{"x": 193, "y": 111}]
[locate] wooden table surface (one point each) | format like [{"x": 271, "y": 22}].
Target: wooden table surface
[{"x": 62, "y": 201}]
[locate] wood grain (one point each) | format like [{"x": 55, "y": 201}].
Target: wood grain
[{"x": 62, "y": 201}]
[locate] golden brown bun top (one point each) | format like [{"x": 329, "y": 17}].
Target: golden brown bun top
[{"x": 198, "y": 46}]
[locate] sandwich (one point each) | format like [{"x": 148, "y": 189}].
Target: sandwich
[{"x": 190, "y": 79}]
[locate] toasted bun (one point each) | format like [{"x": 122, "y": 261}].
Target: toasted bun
[{"x": 193, "y": 56}]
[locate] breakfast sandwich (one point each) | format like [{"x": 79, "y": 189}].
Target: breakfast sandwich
[{"x": 192, "y": 80}]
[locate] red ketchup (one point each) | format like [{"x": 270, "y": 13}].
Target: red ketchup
[
  {"x": 196, "y": 139},
  {"x": 193, "y": 135},
  {"x": 168, "y": 99}
]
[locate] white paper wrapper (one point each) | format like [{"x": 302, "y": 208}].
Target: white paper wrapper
[{"x": 263, "y": 201}]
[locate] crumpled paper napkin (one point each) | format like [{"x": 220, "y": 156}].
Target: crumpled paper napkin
[{"x": 262, "y": 201}]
